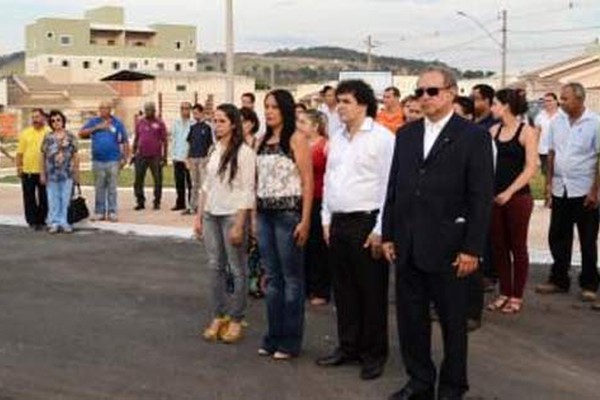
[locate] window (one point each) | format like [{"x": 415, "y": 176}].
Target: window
[
  {"x": 191, "y": 42},
  {"x": 178, "y": 45},
  {"x": 93, "y": 41},
  {"x": 160, "y": 66},
  {"x": 110, "y": 42},
  {"x": 116, "y": 65},
  {"x": 180, "y": 88},
  {"x": 66, "y": 40},
  {"x": 86, "y": 65},
  {"x": 139, "y": 44},
  {"x": 100, "y": 61},
  {"x": 177, "y": 67},
  {"x": 50, "y": 60},
  {"x": 50, "y": 35},
  {"x": 65, "y": 63},
  {"x": 133, "y": 65},
  {"x": 191, "y": 64},
  {"x": 146, "y": 62}
]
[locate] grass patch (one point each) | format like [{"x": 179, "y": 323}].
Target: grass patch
[{"x": 126, "y": 178}]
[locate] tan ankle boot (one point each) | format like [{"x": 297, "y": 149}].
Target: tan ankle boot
[
  {"x": 233, "y": 333},
  {"x": 217, "y": 326}
]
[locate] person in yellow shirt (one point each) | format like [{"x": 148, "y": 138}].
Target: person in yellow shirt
[
  {"x": 29, "y": 152},
  {"x": 391, "y": 116}
]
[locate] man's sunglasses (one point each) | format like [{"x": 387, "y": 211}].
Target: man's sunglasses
[{"x": 431, "y": 91}]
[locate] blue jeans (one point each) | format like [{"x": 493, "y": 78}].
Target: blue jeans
[
  {"x": 221, "y": 255},
  {"x": 59, "y": 197},
  {"x": 284, "y": 265},
  {"x": 105, "y": 182}
]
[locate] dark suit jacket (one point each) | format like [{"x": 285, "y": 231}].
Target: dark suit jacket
[{"x": 438, "y": 207}]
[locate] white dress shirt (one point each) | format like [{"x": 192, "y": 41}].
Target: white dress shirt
[
  {"x": 432, "y": 131},
  {"x": 542, "y": 121},
  {"x": 357, "y": 171},
  {"x": 576, "y": 148},
  {"x": 222, "y": 197},
  {"x": 334, "y": 123}
]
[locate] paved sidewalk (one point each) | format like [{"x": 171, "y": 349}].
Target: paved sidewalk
[{"x": 169, "y": 223}]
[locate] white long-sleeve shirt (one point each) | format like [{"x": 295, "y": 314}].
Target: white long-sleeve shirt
[{"x": 357, "y": 171}]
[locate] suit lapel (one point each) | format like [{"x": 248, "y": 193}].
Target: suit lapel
[{"x": 444, "y": 139}]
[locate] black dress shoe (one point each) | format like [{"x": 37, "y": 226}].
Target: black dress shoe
[
  {"x": 177, "y": 208},
  {"x": 408, "y": 393},
  {"x": 371, "y": 371},
  {"x": 335, "y": 359},
  {"x": 139, "y": 207},
  {"x": 156, "y": 206},
  {"x": 473, "y": 324}
]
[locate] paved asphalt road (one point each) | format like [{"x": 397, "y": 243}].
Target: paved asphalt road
[{"x": 102, "y": 316}]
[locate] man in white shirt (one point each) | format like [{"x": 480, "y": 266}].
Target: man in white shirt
[
  {"x": 330, "y": 109},
  {"x": 356, "y": 178},
  {"x": 542, "y": 124},
  {"x": 573, "y": 182}
]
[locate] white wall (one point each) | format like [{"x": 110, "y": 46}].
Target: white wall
[
  {"x": 50, "y": 66},
  {"x": 3, "y": 92}
]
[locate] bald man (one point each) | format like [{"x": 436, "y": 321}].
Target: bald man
[
  {"x": 110, "y": 152},
  {"x": 150, "y": 147}
]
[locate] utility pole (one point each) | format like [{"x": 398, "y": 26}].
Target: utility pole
[
  {"x": 370, "y": 47},
  {"x": 504, "y": 47},
  {"x": 272, "y": 76},
  {"x": 229, "y": 89}
]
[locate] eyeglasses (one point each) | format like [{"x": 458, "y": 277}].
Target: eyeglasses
[
  {"x": 57, "y": 119},
  {"x": 431, "y": 91}
]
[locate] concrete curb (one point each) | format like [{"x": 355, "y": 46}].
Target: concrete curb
[
  {"x": 536, "y": 256},
  {"x": 142, "y": 230}
]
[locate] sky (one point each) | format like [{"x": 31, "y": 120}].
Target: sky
[{"x": 539, "y": 31}]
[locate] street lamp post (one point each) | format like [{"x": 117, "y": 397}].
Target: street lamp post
[
  {"x": 229, "y": 43},
  {"x": 502, "y": 45}
]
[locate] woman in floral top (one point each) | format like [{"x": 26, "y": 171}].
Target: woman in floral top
[
  {"x": 60, "y": 169},
  {"x": 284, "y": 199}
]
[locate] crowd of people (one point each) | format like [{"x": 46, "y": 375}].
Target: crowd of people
[{"x": 319, "y": 203}]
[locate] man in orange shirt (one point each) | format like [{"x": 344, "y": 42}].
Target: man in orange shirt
[{"x": 391, "y": 116}]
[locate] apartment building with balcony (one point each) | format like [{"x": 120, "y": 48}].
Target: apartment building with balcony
[{"x": 88, "y": 49}]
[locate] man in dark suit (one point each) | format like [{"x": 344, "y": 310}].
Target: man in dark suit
[{"x": 435, "y": 221}]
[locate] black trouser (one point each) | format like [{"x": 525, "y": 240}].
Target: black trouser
[
  {"x": 567, "y": 212},
  {"x": 183, "y": 183},
  {"x": 316, "y": 261},
  {"x": 141, "y": 166},
  {"x": 476, "y": 295},
  {"x": 415, "y": 290},
  {"x": 360, "y": 287},
  {"x": 35, "y": 200}
]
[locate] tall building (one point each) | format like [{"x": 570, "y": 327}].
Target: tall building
[{"x": 100, "y": 44}]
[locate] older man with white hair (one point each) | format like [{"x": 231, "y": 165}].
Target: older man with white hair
[
  {"x": 110, "y": 152},
  {"x": 150, "y": 147}
]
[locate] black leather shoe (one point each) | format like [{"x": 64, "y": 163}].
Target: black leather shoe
[
  {"x": 177, "y": 208},
  {"x": 473, "y": 324},
  {"x": 371, "y": 371},
  {"x": 139, "y": 207},
  {"x": 408, "y": 393},
  {"x": 335, "y": 359}
]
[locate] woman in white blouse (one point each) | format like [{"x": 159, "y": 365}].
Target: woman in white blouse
[{"x": 228, "y": 195}]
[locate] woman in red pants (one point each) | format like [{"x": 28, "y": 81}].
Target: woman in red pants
[{"x": 516, "y": 165}]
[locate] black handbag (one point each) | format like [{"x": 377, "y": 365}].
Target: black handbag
[{"x": 77, "y": 208}]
